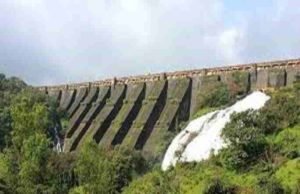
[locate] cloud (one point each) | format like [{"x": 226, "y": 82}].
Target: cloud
[
  {"x": 53, "y": 41},
  {"x": 271, "y": 33}
]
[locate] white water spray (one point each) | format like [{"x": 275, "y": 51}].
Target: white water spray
[
  {"x": 58, "y": 144},
  {"x": 203, "y": 135}
]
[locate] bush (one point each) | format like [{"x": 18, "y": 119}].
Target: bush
[
  {"x": 269, "y": 185},
  {"x": 214, "y": 94},
  {"x": 282, "y": 111},
  {"x": 287, "y": 142},
  {"x": 60, "y": 172},
  {"x": 218, "y": 187},
  {"x": 289, "y": 176},
  {"x": 246, "y": 141},
  {"x": 105, "y": 171},
  {"x": 152, "y": 183},
  {"x": 234, "y": 158},
  {"x": 239, "y": 85}
]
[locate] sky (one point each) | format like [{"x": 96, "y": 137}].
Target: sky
[{"x": 48, "y": 42}]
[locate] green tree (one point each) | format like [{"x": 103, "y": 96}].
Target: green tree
[
  {"x": 24, "y": 164},
  {"x": 5, "y": 127},
  {"x": 9, "y": 87},
  {"x": 30, "y": 115},
  {"x": 35, "y": 152},
  {"x": 105, "y": 171},
  {"x": 95, "y": 173}
]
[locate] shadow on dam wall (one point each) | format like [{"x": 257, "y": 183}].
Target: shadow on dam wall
[{"x": 135, "y": 111}]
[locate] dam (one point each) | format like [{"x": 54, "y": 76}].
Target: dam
[{"x": 136, "y": 111}]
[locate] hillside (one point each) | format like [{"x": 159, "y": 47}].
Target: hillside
[{"x": 262, "y": 156}]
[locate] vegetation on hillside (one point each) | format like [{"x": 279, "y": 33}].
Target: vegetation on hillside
[
  {"x": 263, "y": 155},
  {"x": 9, "y": 87}
]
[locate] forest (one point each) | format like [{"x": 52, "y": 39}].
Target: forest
[{"x": 263, "y": 155}]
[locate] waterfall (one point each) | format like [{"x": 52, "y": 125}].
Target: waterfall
[
  {"x": 202, "y": 136},
  {"x": 57, "y": 141}
]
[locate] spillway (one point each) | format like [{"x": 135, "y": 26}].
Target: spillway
[{"x": 203, "y": 135}]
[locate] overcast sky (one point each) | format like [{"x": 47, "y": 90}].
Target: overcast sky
[{"x": 60, "y": 41}]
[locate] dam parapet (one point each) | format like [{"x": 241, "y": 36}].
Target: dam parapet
[{"x": 252, "y": 67}]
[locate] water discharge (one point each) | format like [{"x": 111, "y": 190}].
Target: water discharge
[
  {"x": 58, "y": 141},
  {"x": 203, "y": 135}
]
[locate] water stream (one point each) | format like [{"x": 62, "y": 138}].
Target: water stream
[
  {"x": 202, "y": 136},
  {"x": 57, "y": 140}
]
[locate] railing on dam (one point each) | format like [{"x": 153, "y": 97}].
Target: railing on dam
[{"x": 281, "y": 64}]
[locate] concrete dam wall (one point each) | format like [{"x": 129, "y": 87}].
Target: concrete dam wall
[{"x": 136, "y": 111}]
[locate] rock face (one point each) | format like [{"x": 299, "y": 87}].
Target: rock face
[{"x": 136, "y": 110}]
